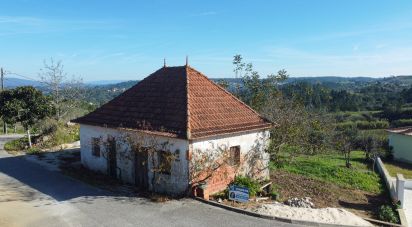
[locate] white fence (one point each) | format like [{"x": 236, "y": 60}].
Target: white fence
[{"x": 396, "y": 185}]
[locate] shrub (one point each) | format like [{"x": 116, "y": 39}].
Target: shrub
[
  {"x": 345, "y": 125},
  {"x": 363, "y": 125},
  {"x": 274, "y": 195},
  {"x": 402, "y": 122},
  {"x": 55, "y": 133},
  {"x": 372, "y": 124},
  {"x": 387, "y": 213},
  {"x": 16, "y": 145},
  {"x": 33, "y": 150},
  {"x": 254, "y": 186}
]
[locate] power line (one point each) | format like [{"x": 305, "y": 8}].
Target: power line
[{"x": 26, "y": 77}]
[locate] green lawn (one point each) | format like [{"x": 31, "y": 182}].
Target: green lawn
[
  {"x": 399, "y": 167},
  {"x": 331, "y": 168}
]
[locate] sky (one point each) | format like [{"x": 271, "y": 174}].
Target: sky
[{"x": 128, "y": 40}]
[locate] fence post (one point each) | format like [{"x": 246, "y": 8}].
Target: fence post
[{"x": 400, "y": 187}]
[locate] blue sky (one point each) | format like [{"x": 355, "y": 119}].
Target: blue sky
[{"x": 116, "y": 40}]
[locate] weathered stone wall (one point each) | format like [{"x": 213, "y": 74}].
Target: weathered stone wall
[
  {"x": 175, "y": 183},
  {"x": 254, "y": 160}
]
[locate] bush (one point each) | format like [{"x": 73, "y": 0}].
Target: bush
[
  {"x": 402, "y": 122},
  {"x": 387, "y": 213},
  {"x": 345, "y": 125},
  {"x": 55, "y": 133},
  {"x": 254, "y": 186},
  {"x": 33, "y": 150},
  {"x": 274, "y": 194},
  {"x": 372, "y": 124},
  {"x": 363, "y": 125},
  {"x": 16, "y": 145}
]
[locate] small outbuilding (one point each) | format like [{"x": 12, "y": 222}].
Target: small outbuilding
[
  {"x": 176, "y": 132},
  {"x": 400, "y": 139}
]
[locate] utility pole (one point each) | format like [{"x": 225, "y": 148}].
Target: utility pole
[
  {"x": 2, "y": 89},
  {"x": 2, "y": 79}
]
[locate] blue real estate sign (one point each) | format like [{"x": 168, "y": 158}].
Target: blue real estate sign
[{"x": 237, "y": 193}]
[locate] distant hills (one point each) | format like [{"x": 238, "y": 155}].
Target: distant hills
[
  {"x": 103, "y": 82},
  {"x": 329, "y": 81},
  {"x": 101, "y": 94},
  {"x": 17, "y": 82},
  {"x": 11, "y": 82}
]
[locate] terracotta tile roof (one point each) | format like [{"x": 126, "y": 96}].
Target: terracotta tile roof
[
  {"x": 177, "y": 102},
  {"x": 403, "y": 130}
]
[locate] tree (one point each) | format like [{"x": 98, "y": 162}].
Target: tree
[
  {"x": 223, "y": 83},
  {"x": 297, "y": 130},
  {"x": 373, "y": 148},
  {"x": 32, "y": 106},
  {"x": 8, "y": 107},
  {"x": 65, "y": 92},
  {"x": 256, "y": 91},
  {"x": 239, "y": 66},
  {"x": 345, "y": 142}
]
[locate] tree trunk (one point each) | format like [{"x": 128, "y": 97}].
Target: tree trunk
[
  {"x": 4, "y": 127},
  {"x": 29, "y": 137},
  {"x": 15, "y": 129}
]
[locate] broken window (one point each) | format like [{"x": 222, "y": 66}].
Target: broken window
[
  {"x": 96, "y": 147},
  {"x": 234, "y": 155}
]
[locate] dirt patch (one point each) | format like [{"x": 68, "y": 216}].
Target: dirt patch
[{"x": 324, "y": 194}]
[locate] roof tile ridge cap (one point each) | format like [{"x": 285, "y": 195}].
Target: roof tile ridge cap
[
  {"x": 236, "y": 99},
  {"x": 188, "y": 128}
]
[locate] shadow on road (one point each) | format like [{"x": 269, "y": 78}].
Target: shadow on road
[{"x": 51, "y": 183}]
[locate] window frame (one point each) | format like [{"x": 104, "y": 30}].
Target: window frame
[
  {"x": 96, "y": 149},
  {"x": 234, "y": 155}
]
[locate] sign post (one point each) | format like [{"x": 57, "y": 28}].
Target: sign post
[{"x": 238, "y": 193}]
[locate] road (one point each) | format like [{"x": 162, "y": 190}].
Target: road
[{"x": 31, "y": 195}]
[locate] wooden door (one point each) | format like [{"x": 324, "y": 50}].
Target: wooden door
[
  {"x": 112, "y": 158},
  {"x": 141, "y": 169}
]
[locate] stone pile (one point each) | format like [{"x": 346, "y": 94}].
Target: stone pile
[{"x": 297, "y": 202}]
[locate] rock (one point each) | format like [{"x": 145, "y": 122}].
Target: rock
[
  {"x": 70, "y": 123},
  {"x": 303, "y": 202},
  {"x": 219, "y": 200},
  {"x": 46, "y": 138}
]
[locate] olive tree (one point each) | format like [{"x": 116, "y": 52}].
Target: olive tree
[
  {"x": 345, "y": 142},
  {"x": 31, "y": 106}
]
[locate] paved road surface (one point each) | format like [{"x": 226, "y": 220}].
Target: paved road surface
[
  {"x": 408, "y": 206},
  {"x": 30, "y": 195}
]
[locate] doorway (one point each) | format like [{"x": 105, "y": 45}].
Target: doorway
[
  {"x": 112, "y": 157},
  {"x": 141, "y": 169}
]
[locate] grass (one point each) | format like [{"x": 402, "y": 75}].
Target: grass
[
  {"x": 331, "y": 168},
  {"x": 395, "y": 167}
]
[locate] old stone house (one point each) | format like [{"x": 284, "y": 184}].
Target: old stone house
[{"x": 180, "y": 112}]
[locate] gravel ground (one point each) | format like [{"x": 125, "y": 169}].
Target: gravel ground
[{"x": 324, "y": 215}]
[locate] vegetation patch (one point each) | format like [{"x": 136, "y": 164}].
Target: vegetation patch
[
  {"x": 253, "y": 185},
  {"x": 395, "y": 167},
  {"x": 388, "y": 213},
  {"x": 331, "y": 168},
  {"x": 16, "y": 145}
]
